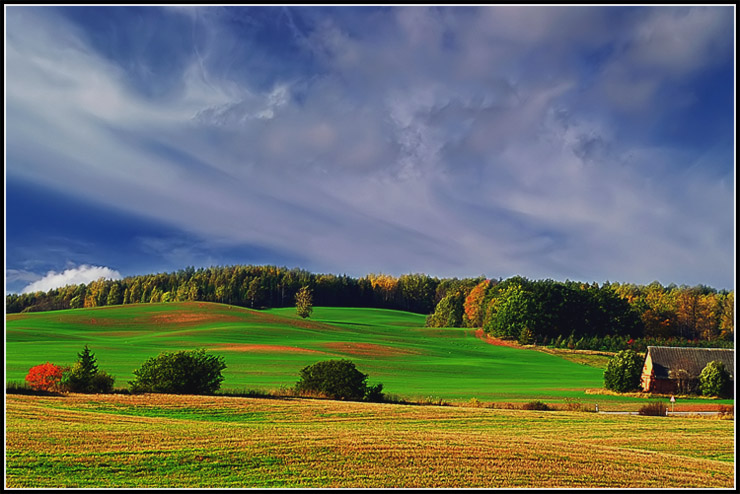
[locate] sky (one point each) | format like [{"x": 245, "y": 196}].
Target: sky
[{"x": 571, "y": 143}]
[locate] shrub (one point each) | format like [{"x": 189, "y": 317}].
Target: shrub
[
  {"x": 102, "y": 382},
  {"x": 573, "y": 405},
  {"x": 45, "y": 377},
  {"x": 433, "y": 401},
  {"x": 526, "y": 336},
  {"x": 374, "y": 393},
  {"x": 726, "y": 410},
  {"x": 474, "y": 402},
  {"x": 623, "y": 371},
  {"x": 714, "y": 379},
  {"x": 183, "y": 372},
  {"x": 655, "y": 408},
  {"x": 336, "y": 379},
  {"x": 85, "y": 377},
  {"x": 536, "y": 405}
]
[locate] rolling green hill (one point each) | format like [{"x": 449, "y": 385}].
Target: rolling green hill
[{"x": 266, "y": 349}]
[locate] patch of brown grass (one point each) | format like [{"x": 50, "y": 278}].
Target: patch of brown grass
[
  {"x": 368, "y": 349},
  {"x": 236, "y": 347}
]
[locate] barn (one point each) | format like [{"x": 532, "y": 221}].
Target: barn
[{"x": 669, "y": 370}]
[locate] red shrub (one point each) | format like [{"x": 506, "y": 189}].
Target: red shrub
[{"x": 45, "y": 377}]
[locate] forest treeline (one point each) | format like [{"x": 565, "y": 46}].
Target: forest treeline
[
  {"x": 581, "y": 315},
  {"x": 531, "y": 311}
]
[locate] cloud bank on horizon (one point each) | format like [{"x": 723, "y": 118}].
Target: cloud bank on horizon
[
  {"x": 73, "y": 276},
  {"x": 586, "y": 143}
]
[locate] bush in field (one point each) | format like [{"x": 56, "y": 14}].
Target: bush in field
[
  {"x": 536, "y": 405},
  {"x": 714, "y": 379},
  {"x": 337, "y": 379},
  {"x": 623, "y": 372},
  {"x": 655, "y": 408},
  {"x": 374, "y": 393},
  {"x": 85, "y": 377},
  {"x": 183, "y": 372},
  {"x": 45, "y": 377}
]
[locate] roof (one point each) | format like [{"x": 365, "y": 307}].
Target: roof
[{"x": 692, "y": 360}]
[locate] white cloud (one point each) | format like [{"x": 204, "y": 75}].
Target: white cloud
[{"x": 83, "y": 274}]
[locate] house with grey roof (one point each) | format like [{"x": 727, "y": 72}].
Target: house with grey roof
[{"x": 674, "y": 370}]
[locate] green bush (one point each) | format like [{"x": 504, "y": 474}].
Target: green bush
[
  {"x": 714, "y": 379},
  {"x": 183, "y": 372},
  {"x": 336, "y": 379},
  {"x": 374, "y": 393},
  {"x": 623, "y": 372}
]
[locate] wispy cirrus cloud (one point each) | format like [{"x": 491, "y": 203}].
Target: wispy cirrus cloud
[{"x": 455, "y": 141}]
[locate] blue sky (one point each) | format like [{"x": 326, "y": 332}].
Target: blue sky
[{"x": 582, "y": 143}]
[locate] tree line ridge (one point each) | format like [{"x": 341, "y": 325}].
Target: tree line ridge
[{"x": 532, "y": 311}]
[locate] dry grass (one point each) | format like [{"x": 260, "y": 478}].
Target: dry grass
[{"x": 179, "y": 441}]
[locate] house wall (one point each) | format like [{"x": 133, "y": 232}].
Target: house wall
[
  {"x": 663, "y": 386},
  {"x": 647, "y": 374}
]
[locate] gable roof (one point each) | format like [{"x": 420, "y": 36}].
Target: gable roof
[{"x": 692, "y": 360}]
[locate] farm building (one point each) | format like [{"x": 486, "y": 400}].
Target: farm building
[{"x": 671, "y": 369}]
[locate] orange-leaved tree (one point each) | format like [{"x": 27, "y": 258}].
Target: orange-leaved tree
[
  {"x": 473, "y": 306},
  {"x": 45, "y": 377}
]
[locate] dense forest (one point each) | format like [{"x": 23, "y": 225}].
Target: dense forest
[
  {"x": 588, "y": 316},
  {"x": 570, "y": 314}
]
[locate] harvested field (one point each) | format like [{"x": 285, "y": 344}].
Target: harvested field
[{"x": 167, "y": 441}]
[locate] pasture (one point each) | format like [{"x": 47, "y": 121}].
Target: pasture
[
  {"x": 264, "y": 350},
  {"x": 170, "y": 441}
]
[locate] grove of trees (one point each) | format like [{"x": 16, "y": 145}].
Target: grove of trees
[
  {"x": 581, "y": 315},
  {"x": 574, "y": 314}
]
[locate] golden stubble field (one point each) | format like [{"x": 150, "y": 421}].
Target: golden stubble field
[{"x": 198, "y": 441}]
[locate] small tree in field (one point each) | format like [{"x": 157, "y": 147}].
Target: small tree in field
[
  {"x": 623, "y": 372},
  {"x": 304, "y": 302},
  {"x": 184, "y": 372},
  {"x": 714, "y": 379},
  {"x": 45, "y": 377}
]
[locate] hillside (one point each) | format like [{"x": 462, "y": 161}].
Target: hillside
[{"x": 266, "y": 349}]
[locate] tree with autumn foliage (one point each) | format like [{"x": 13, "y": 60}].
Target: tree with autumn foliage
[
  {"x": 304, "y": 302},
  {"x": 45, "y": 377},
  {"x": 473, "y": 306}
]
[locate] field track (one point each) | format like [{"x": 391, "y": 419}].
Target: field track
[{"x": 187, "y": 441}]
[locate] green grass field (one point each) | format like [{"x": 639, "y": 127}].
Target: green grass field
[
  {"x": 265, "y": 350},
  {"x": 170, "y": 441}
]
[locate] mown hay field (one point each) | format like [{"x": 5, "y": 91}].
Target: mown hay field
[{"x": 174, "y": 441}]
